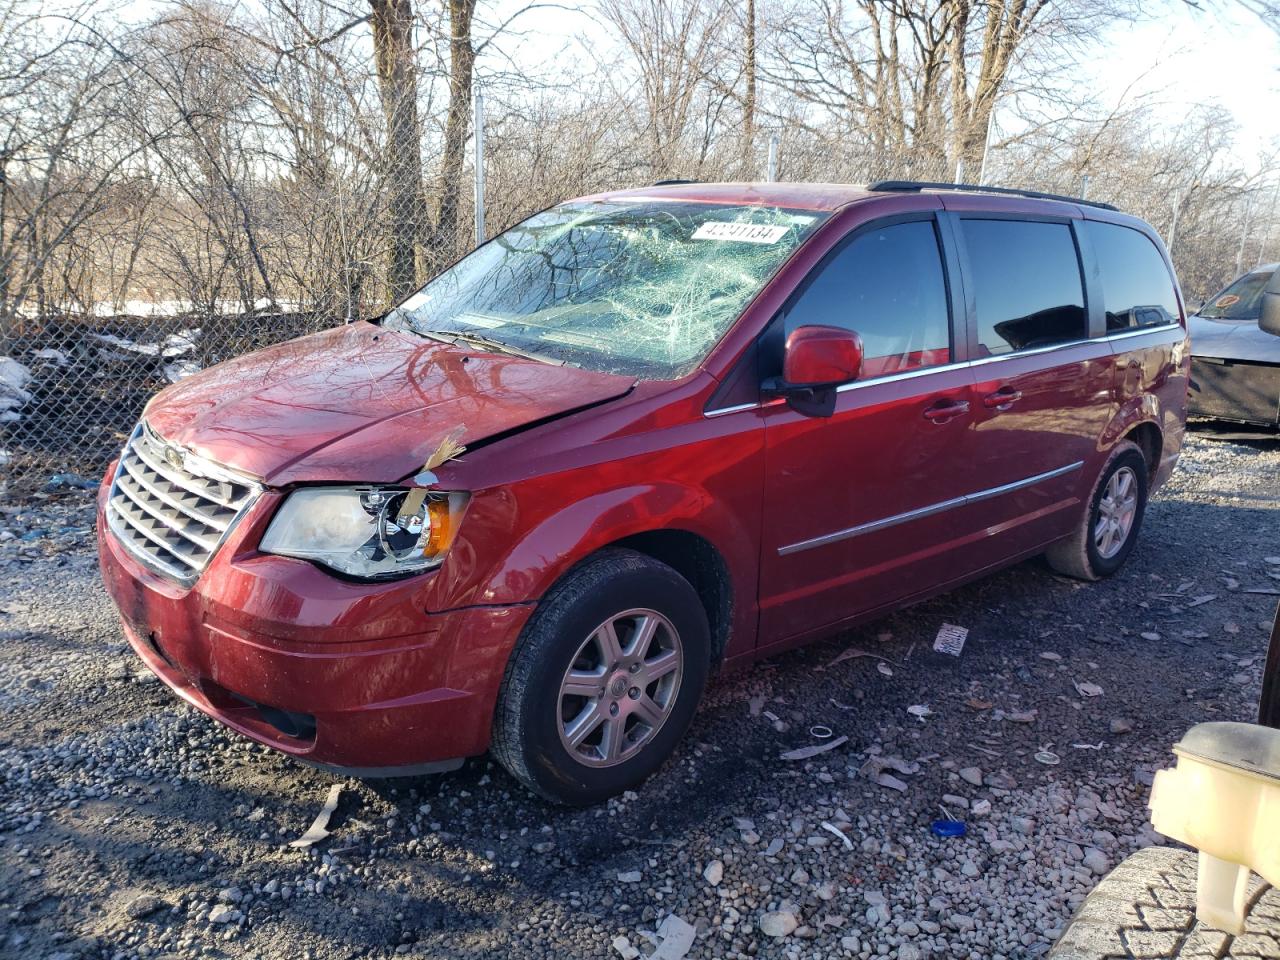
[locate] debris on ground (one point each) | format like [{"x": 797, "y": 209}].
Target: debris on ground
[
  {"x": 950, "y": 639},
  {"x": 319, "y": 828},
  {"x": 675, "y": 938},
  {"x": 805, "y": 753}
]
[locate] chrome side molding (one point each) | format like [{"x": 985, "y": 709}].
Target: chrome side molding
[{"x": 921, "y": 512}]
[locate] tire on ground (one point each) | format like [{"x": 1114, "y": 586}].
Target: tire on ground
[
  {"x": 525, "y": 736},
  {"x": 1077, "y": 556},
  {"x": 1145, "y": 908}
]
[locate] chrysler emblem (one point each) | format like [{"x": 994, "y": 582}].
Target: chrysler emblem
[{"x": 173, "y": 457}]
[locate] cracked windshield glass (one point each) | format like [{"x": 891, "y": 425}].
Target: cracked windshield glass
[{"x": 643, "y": 288}]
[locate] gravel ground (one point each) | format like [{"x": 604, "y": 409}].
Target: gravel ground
[{"x": 132, "y": 826}]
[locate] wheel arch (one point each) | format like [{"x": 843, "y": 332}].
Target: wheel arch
[
  {"x": 1151, "y": 442},
  {"x": 696, "y": 559},
  {"x": 700, "y": 537}
]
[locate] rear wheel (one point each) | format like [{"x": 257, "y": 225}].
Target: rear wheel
[
  {"x": 604, "y": 680},
  {"x": 1108, "y": 529},
  {"x": 1145, "y": 908}
]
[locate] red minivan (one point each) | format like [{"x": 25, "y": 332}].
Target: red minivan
[{"x": 638, "y": 437}]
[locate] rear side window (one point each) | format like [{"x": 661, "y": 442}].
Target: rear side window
[
  {"x": 1026, "y": 284},
  {"x": 1137, "y": 290},
  {"x": 888, "y": 286}
]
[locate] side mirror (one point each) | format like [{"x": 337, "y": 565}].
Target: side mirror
[
  {"x": 815, "y": 360},
  {"x": 1269, "y": 317}
]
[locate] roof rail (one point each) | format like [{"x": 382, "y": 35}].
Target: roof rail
[
  {"x": 915, "y": 186},
  {"x": 672, "y": 183}
]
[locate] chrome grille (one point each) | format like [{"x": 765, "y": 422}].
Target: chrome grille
[{"x": 172, "y": 509}]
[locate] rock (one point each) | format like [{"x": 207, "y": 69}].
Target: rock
[
  {"x": 222, "y": 913},
  {"x": 908, "y": 928},
  {"x": 624, "y": 948},
  {"x": 1096, "y": 861},
  {"x": 143, "y": 906},
  {"x": 1121, "y": 725},
  {"x": 969, "y": 868},
  {"x": 714, "y": 873},
  {"x": 230, "y": 895},
  {"x": 1023, "y": 825},
  {"x": 971, "y": 775},
  {"x": 778, "y": 924},
  {"x": 909, "y": 951},
  {"x": 800, "y": 876},
  {"x": 774, "y": 848},
  {"x": 981, "y": 808},
  {"x": 629, "y": 876},
  {"x": 951, "y": 800}
]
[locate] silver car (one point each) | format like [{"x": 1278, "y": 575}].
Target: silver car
[{"x": 1235, "y": 351}]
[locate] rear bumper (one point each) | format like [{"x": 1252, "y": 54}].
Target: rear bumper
[
  {"x": 264, "y": 645},
  {"x": 1235, "y": 390}
]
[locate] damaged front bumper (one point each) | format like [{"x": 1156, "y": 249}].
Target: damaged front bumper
[{"x": 350, "y": 676}]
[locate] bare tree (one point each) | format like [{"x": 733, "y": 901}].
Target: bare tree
[{"x": 397, "y": 79}]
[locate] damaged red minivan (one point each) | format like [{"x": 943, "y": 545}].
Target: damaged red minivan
[{"x": 636, "y": 438}]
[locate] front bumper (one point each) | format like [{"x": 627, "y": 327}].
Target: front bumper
[
  {"x": 1237, "y": 390},
  {"x": 345, "y": 675}
]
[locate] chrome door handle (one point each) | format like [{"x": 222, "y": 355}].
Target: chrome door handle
[
  {"x": 1002, "y": 397},
  {"x": 945, "y": 410}
]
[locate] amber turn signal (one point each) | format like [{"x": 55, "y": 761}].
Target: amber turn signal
[{"x": 440, "y": 530}]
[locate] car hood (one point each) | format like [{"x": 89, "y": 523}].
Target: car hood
[
  {"x": 1232, "y": 340},
  {"x": 360, "y": 403}
]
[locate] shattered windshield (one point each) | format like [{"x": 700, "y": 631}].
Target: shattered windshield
[
  {"x": 644, "y": 287},
  {"x": 1240, "y": 301}
]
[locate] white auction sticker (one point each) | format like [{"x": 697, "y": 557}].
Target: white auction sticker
[{"x": 742, "y": 232}]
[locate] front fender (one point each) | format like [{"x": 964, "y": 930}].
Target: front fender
[{"x": 545, "y": 552}]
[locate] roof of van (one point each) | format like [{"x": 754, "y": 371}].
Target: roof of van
[{"x": 812, "y": 196}]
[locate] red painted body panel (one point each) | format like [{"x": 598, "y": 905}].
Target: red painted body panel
[{"x": 407, "y": 672}]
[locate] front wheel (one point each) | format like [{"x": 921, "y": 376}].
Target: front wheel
[
  {"x": 604, "y": 679},
  {"x": 1108, "y": 528}
]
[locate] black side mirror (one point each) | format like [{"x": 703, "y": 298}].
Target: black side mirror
[{"x": 1269, "y": 317}]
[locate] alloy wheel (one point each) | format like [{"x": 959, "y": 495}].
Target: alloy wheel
[
  {"x": 1116, "y": 512},
  {"x": 620, "y": 687}
]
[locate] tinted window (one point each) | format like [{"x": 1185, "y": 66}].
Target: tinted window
[
  {"x": 1026, "y": 284},
  {"x": 888, "y": 285},
  {"x": 1137, "y": 290},
  {"x": 1240, "y": 301}
]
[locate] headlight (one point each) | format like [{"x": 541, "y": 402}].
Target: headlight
[{"x": 373, "y": 532}]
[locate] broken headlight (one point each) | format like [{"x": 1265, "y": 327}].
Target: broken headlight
[{"x": 371, "y": 532}]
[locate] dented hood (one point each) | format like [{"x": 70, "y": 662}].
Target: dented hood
[{"x": 360, "y": 403}]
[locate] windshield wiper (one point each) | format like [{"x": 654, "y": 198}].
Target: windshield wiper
[{"x": 488, "y": 343}]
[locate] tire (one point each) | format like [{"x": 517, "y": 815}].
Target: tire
[
  {"x": 1082, "y": 555},
  {"x": 628, "y": 709},
  {"x": 1145, "y": 908}
]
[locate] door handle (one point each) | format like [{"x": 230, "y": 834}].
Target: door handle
[
  {"x": 1002, "y": 397},
  {"x": 945, "y": 410}
]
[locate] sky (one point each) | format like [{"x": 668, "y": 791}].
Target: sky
[{"x": 1182, "y": 57}]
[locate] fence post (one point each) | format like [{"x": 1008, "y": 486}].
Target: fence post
[
  {"x": 478, "y": 134},
  {"x": 771, "y": 171},
  {"x": 986, "y": 148}
]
